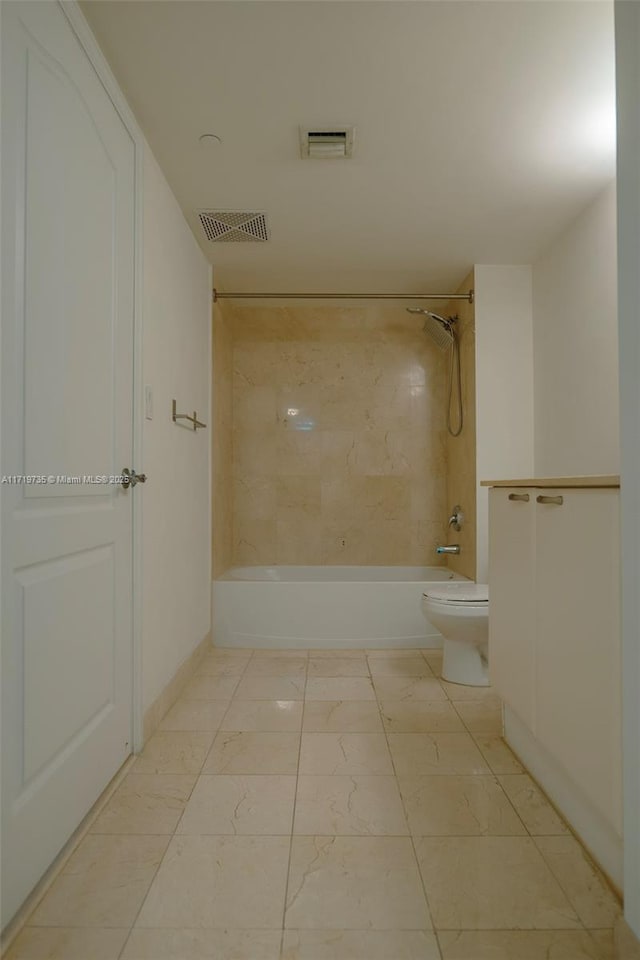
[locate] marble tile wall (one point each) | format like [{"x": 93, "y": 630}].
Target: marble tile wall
[
  {"x": 339, "y": 438},
  {"x": 461, "y": 451},
  {"x": 222, "y": 426}
]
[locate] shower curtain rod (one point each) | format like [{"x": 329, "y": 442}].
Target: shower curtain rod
[{"x": 220, "y": 295}]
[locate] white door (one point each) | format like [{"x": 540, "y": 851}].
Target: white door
[{"x": 67, "y": 180}]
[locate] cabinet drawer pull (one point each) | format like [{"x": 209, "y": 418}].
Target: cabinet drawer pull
[
  {"x": 557, "y": 500},
  {"x": 523, "y": 497}
]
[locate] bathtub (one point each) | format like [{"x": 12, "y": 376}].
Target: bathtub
[{"x": 314, "y": 607}]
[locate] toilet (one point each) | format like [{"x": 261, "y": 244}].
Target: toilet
[{"x": 460, "y": 611}]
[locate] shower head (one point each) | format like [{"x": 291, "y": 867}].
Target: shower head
[{"x": 438, "y": 328}]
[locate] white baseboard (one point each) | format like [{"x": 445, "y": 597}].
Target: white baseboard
[
  {"x": 163, "y": 703},
  {"x": 597, "y": 834},
  {"x": 228, "y": 638}
]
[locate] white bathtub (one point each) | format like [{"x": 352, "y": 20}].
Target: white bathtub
[{"x": 324, "y": 607}]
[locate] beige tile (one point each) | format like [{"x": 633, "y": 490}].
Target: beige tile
[
  {"x": 219, "y": 882},
  {"x": 202, "y": 945},
  {"x": 254, "y": 805},
  {"x": 496, "y": 752},
  {"x": 491, "y": 883},
  {"x": 278, "y": 653},
  {"x": 103, "y": 884},
  {"x": 359, "y": 945},
  {"x": 277, "y": 666},
  {"x": 458, "y": 806},
  {"x": 204, "y": 715},
  {"x": 338, "y": 667},
  {"x": 533, "y": 807},
  {"x": 146, "y": 803},
  {"x": 626, "y": 946},
  {"x": 222, "y": 667},
  {"x": 419, "y": 716},
  {"x": 172, "y": 751},
  {"x": 460, "y": 691},
  {"x": 349, "y": 806},
  {"x": 62, "y": 943},
  {"x": 263, "y": 715},
  {"x": 252, "y": 752},
  {"x": 339, "y": 688},
  {"x": 481, "y": 716},
  {"x": 411, "y": 688},
  {"x": 271, "y": 688},
  {"x": 344, "y": 753},
  {"x": 399, "y": 667},
  {"x": 434, "y": 659},
  {"x": 344, "y": 653},
  {"x": 436, "y": 753},
  {"x": 585, "y": 886},
  {"x": 253, "y": 540},
  {"x": 355, "y": 883},
  {"x": 610, "y": 946},
  {"x": 393, "y": 653},
  {"x": 210, "y": 688},
  {"x": 330, "y": 716},
  {"x": 228, "y": 653},
  {"x": 520, "y": 945}
]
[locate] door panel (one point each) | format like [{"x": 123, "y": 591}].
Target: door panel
[
  {"x": 578, "y": 658},
  {"x": 67, "y": 388}
]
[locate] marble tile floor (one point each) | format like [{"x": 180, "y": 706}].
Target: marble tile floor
[{"x": 326, "y": 805}]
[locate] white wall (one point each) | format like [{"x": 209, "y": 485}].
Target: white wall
[
  {"x": 576, "y": 347},
  {"x": 504, "y": 386},
  {"x": 176, "y": 506},
  {"x": 628, "y": 93}
]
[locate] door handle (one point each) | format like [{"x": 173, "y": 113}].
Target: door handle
[
  {"x": 557, "y": 500},
  {"x": 522, "y": 497},
  {"x": 130, "y": 478}
]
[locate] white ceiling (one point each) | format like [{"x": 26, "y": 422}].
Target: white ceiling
[{"x": 483, "y": 128}]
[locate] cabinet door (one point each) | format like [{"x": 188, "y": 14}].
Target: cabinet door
[
  {"x": 512, "y": 598},
  {"x": 578, "y": 640}
]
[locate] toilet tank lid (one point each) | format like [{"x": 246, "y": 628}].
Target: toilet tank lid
[{"x": 459, "y": 592}]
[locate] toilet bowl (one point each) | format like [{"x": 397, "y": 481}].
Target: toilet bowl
[{"x": 460, "y": 611}]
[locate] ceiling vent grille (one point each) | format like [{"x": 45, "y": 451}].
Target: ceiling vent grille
[
  {"x": 233, "y": 226},
  {"x": 327, "y": 143}
]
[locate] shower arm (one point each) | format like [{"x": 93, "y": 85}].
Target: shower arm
[{"x": 221, "y": 295}]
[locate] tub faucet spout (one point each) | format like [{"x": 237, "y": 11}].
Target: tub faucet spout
[{"x": 453, "y": 548}]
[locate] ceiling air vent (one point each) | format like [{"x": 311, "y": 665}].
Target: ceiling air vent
[
  {"x": 232, "y": 226},
  {"x": 326, "y": 143}
]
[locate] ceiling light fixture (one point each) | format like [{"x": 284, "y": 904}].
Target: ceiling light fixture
[{"x": 210, "y": 140}]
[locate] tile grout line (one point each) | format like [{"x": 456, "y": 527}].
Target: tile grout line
[
  {"x": 293, "y": 814},
  {"x": 171, "y": 835},
  {"x": 411, "y": 838}
]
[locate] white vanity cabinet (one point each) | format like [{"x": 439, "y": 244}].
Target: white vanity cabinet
[
  {"x": 512, "y": 599},
  {"x": 554, "y": 646}
]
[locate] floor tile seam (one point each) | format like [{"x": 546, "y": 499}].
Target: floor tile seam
[
  {"x": 59, "y": 868},
  {"x": 570, "y": 831},
  {"x": 171, "y": 836},
  {"x": 293, "y": 818},
  {"x": 406, "y": 817},
  {"x": 144, "y": 899},
  {"x": 601, "y": 875}
]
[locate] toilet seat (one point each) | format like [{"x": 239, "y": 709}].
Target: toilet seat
[{"x": 459, "y": 593}]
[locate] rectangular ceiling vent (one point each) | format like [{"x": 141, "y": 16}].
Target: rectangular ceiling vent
[
  {"x": 233, "y": 226},
  {"x": 327, "y": 143}
]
